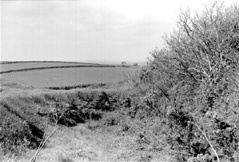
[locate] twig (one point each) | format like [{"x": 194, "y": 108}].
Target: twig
[
  {"x": 33, "y": 159},
  {"x": 204, "y": 134}
]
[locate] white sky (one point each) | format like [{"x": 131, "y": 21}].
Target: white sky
[{"x": 88, "y": 30}]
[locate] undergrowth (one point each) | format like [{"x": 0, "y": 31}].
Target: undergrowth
[{"x": 23, "y": 119}]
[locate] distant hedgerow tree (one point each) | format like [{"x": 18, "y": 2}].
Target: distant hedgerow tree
[
  {"x": 123, "y": 63},
  {"x": 195, "y": 80}
]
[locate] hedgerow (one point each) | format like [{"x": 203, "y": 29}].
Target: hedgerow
[{"x": 192, "y": 85}]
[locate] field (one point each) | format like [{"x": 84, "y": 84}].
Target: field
[
  {"x": 93, "y": 125},
  {"x": 65, "y": 76},
  {"x": 32, "y": 64}
]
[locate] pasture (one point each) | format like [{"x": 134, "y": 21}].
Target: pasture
[
  {"x": 59, "y": 77},
  {"x": 40, "y": 64}
]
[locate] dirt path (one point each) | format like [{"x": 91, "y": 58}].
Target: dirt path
[{"x": 82, "y": 144}]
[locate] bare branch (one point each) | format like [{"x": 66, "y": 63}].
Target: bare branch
[{"x": 205, "y": 136}]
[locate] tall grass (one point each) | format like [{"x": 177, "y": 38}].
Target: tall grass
[{"x": 23, "y": 119}]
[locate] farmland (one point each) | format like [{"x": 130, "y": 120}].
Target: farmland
[
  {"x": 65, "y": 76},
  {"x": 183, "y": 106},
  {"x": 26, "y": 106},
  {"x": 7, "y": 66}
]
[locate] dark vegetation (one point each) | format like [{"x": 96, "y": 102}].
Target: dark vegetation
[
  {"x": 23, "y": 119},
  {"x": 56, "y": 67},
  {"x": 18, "y": 62},
  {"x": 192, "y": 85},
  {"x": 186, "y": 101},
  {"x": 100, "y": 85}
]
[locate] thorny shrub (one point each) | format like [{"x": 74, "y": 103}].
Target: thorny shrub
[{"x": 192, "y": 85}]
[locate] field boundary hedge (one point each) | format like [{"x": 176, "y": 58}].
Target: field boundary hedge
[
  {"x": 56, "y": 67},
  {"x": 78, "y": 86},
  {"x": 19, "y": 62}
]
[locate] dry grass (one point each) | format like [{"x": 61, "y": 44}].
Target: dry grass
[{"x": 112, "y": 138}]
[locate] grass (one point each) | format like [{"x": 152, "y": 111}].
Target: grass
[
  {"x": 8, "y": 66},
  {"x": 107, "y": 133},
  {"x": 69, "y": 76},
  {"x": 53, "y": 67},
  {"x": 18, "y": 66},
  {"x": 94, "y": 125},
  {"x": 64, "y": 158},
  {"x": 23, "y": 118}
]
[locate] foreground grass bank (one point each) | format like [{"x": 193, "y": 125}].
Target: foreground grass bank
[
  {"x": 97, "y": 114},
  {"x": 23, "y": 118}
]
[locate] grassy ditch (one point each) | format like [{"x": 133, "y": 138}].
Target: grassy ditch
[{"x": 23, "y": 119}]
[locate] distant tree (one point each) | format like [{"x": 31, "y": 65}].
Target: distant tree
[
  {"x": 135, "y": 64},
  {"x": 123, "y": 63}
]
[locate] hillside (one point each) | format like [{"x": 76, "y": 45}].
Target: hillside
[
  {"x": 99, "y": 131},
  {"x": 64, "y": 74}
]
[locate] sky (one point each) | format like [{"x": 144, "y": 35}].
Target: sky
[{"x": 88, "y": 30}]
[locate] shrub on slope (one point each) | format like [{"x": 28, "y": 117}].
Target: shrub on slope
[
  {"x": 23, "y": 119},
  {"x": 192, "y": 85}
]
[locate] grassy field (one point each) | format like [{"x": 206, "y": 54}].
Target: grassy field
[
  {"x": 66, "y": 76},
  {"x": 93, "y": 124},
  {"x": 31, "y": 64}
]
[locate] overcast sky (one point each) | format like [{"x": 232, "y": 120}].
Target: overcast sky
[{"x": 88, "y": 30}]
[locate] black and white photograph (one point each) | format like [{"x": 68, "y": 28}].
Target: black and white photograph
[{"x": 119, "y": 81}]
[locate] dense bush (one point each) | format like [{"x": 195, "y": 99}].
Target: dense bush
[
  {"x": 192, "y": 85},
  {"x": 80, "y": 107}
]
